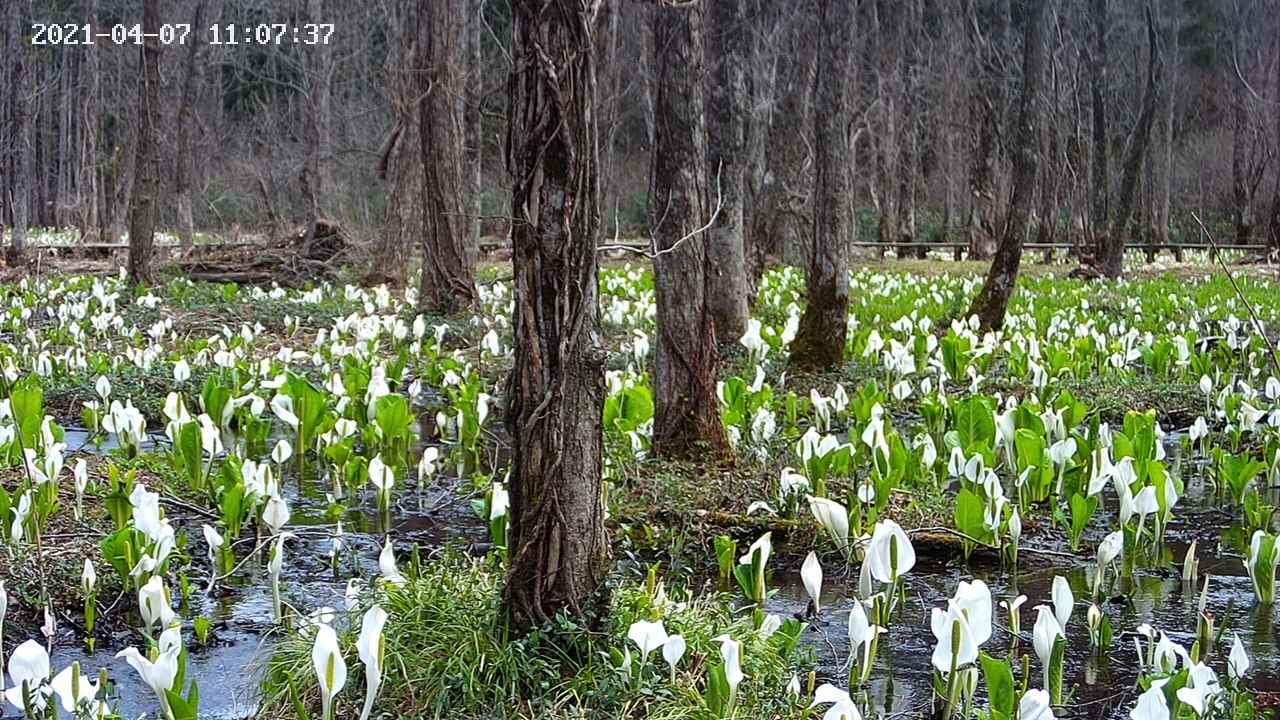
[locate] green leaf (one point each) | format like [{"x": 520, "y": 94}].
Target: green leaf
[{"x": 999, "y": 676}]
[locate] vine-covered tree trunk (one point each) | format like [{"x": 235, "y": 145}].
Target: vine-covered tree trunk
[
  {"x": 726, "y": 171},
  {"x": 1112, "y": 258},
  {"x": 687, "y": 415},
  {"x": 448, "y": 276},
  {"x": 820, "y": 340},
  {"x": 559, "y": 554},
  {"x": 993, "y": 301},
  {"x": 144, "y": 205}
]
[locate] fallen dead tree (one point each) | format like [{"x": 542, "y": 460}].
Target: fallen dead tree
[{"x": 291, "y": 262}]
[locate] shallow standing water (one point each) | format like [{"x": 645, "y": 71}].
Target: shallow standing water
[
  {"x": 1099, "y": 687},
  {"x": 229, "y": 670}
]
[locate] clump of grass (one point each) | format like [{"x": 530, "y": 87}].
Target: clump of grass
[{"x": 449, "y": 654}]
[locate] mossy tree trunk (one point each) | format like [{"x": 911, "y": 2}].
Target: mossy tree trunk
[
  {"x": 448, "y": 275},
  {"x": 557, "y": 545},
  {"x": 993, "y": 300},
  {"x": 820, "y": 339},
  {"x": 144, "y": 205},
  {"x": 687, "y": 414}
]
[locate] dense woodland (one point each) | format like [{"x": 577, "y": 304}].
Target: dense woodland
[
  {"x": 1151, "y": 110},
  {"x": 488, "y": 160}
]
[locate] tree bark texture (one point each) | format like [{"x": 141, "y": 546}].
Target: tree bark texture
[
  {"x": 781, "y": 216},
  {"x": 1100, "y": 170},
  {"x": 687, "y": 416},
  {"x": 1273, "y": 227},
  {"x": 559, "y": 553},
  {"x": 726, "y": 170},
  {"x": 820, "y": 340},
  {"x": 1112, "y": 257},
  {"x": 144, "y": 205},
  {"x": 474, "y": 97},
  {"x": 21, "y": 78},
  {"x": 993, "y": 301},
  {"x": 315, "y": 172},
  {"x": 448, "y": 276},
  {"x": 185, "y": 122},
  {"x": 399, "y": 163},
  {"x": 986, "y": 107}
]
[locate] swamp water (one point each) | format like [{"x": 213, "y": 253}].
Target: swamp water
[{"x": 230, "y": 668}]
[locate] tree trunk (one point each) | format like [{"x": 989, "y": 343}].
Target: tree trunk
[
  {"x": 993, "y": 301},
  {"x": 22, "y": 134},
  {"x": 987, "y": 103},
  {"x": 399, "y": 163},
  {"x": 144, "y": 204},
  {"x": 448, "y": 277},
  {"x": 727, "y": 283},
  {"x": 1273, "y": 227},
  {"x": 1164, "y": 202},
  {"x": 185, "y": 121},
  {"x": 1100, "y": 177},
  {"x": 687, "y": 415},
  {"x": 474, "y": 130},
  {"x": 1242, "y": 206},
  {"x": 559, "y": 553},
  {"x": 1112, "y": 256},
  {"x": 88, "y": 221},
  {"x": 781, "y": 213},
  {"x": 314, "y": 179},
  {"x": 820, "y": 340}
]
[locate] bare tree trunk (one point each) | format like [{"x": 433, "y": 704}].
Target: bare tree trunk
[
  {"x": 727, "y": 281},
  {"x": 559, "y": 552},
  {"x": 987, "y": 102},
  {"x": 727, "y": 164},
  {"x": 185, "y": 121},
  {"x": 1165, "y": 200},
  {"x": 820, "y": 340},
  {"x": 314, "y": 178},
  {"x": 88, "y": 220},
  {"x": 781, "y": 213},
  {"x": 448, "y": 277},
  {"x": 687, "y": 416},
  {"x": 399, "y": 162},
  {"x": 1241, "y": 195},
  {"x": 144, "y": 205},
  {"x": 1100, "y": 178},
  {"x": 1112, "y": 257},
  {"x": 21, "y": 128},
  {"x": 1273, "y": 228},
  {"x": 909, "y": 28},
  {"x": 993, "y": 301},
  {"x": 474, "y": 130}
]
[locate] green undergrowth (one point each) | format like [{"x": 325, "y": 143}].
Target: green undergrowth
[{"x": 449, "y": 654}]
